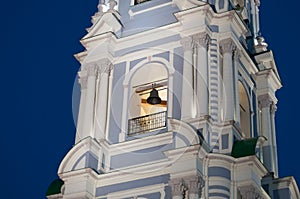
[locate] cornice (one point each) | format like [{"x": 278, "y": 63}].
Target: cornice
[
  {"x": 201, "y": 39},
  {"x": 239, "y": 161},
  {"x": 84, "y": 173},
  {"x": 269, "y": 74}
]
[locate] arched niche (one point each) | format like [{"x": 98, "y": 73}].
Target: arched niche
[{"x": 151, "y": 75}]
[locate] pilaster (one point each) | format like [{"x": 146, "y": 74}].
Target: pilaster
[
  {"x": 80, "y": 121},
  {"x": 236, "y": 58},
  {"x": 88, "y": 124},
  {"x": 104, "y": 72},
  {"x": 268, "y": 130}
]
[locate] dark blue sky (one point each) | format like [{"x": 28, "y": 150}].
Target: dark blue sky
[{"x": 38, "y": 71}]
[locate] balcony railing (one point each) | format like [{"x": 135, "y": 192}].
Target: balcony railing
[{"x": 147, "y": 123}]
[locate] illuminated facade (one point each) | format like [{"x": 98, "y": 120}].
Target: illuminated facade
[{"x": 212, "y": 132}]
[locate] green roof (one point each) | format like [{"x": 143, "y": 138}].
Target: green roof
[
  {"x": 55, "y": 187},
  {"x": 242, "y": 148}
]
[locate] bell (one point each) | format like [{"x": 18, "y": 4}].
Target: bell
[{"x": 153, "y": 97}]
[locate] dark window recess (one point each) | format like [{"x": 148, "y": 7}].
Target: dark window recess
[{"x": 139, "y": 1}]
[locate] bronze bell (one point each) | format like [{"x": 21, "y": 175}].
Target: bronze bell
[{"x": 153, "y": 97}]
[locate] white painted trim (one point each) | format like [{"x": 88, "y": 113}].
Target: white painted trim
[{"x": 132, "y": 14}]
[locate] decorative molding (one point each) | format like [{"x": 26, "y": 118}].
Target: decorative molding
[
  {"x": 227, "y": 46},
  {"x": 264, "y": 101},
  {"x": 201, "y": 39},
  {"x": 187, "y": 43}
]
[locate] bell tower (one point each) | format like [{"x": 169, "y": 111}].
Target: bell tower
[{"x": 178, "y": 100}]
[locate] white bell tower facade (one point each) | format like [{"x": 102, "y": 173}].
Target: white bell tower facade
[{"x": 178, "y": 100}]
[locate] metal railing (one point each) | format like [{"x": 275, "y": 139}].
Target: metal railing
[{"x": 147, "y": 123}]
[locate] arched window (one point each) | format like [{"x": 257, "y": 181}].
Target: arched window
[
  {"x": 144, "y": 116},
  {"x": 244, "y": 110}
]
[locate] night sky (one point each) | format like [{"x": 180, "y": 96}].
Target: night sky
[{"x": 38, "y": 70}]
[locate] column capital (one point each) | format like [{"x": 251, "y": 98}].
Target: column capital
[
  {"x": 227, "y": 46},
  {"x": 187, "y": 43},
  {"x": 91, "y": 69},
  {"x": 195, "y": 184},
  {"x": 105, "y": 66},
  {"x": 250, "y": 192},
  {"x": 201, "y": 40},
  {"x": 177, "y": 187},
  {"x": 264, "y": 101},
  {"x": 98, "y": 67}
]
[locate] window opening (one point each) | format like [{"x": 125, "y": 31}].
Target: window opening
[
  {"x": 149, "y": 116},
  {"x": 244, "y": 110}
]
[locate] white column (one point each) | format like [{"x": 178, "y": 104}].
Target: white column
[
  {"x": 88, "y": 125},
  {"x": 187, "y": 81},
  {"x": 227, "y": 47},
  {"x": 102, "y": 96},
  {"x": 80, "y": 120},
  {"x": 274, "y": 143},
  {"x": 236, "y": 57},
  {"x": 264, "y": 105},
  {"x": 201, "y": 41}
]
